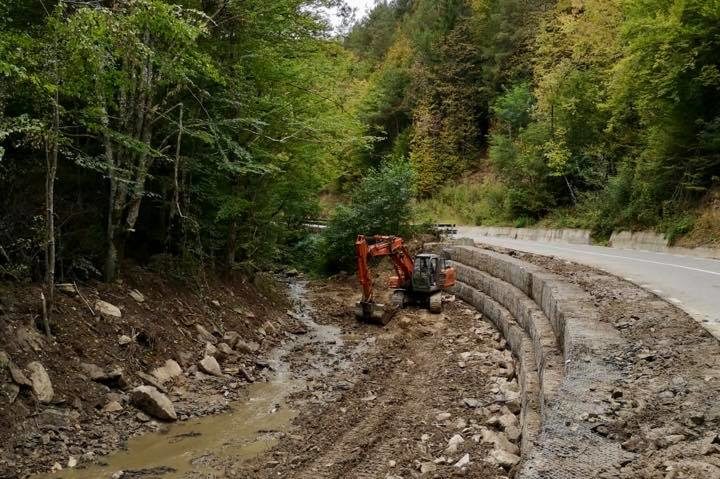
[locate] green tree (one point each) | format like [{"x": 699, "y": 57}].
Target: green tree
[{"x": 381, "y": 205}]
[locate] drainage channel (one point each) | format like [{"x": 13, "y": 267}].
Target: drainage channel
[{"x": 204, "y": 446}]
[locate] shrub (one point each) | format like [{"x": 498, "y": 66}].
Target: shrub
[{"x": 380, "y": 205}]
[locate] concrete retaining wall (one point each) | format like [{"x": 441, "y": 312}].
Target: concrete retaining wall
[
  {"x": 640, "y": 240},
  {"x": 573, "y": 236},
  {"x": 564, "y": 351},
  {"x": 651, "y": 241},
  {"x": 522, "y": 346}
]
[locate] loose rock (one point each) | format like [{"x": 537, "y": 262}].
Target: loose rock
[
  {"x": 112, "y": 406},
  {"x": 503, "y": 458},
  {"x": 18, "y": 376},
  {"x": 225, "y": 350},
  {"x": 170, "y": 370},
  {"x": 41, "y": 385},
  {"x": 464, "y": 461},
  {"x": 107, "y": 310},
  {"x": 9, "y": 392},
  {"x": 247, "y": 347},
  {"x": 231, "y": 338},
  {"x": 454, "y": 443},
  {"x": 204, "y": 334},
  {"x": 153, "y": 402},
  {"x": 210, "y": 366},
  {"x": 137, "y": 295}
]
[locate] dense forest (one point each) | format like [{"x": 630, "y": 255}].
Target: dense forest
[
  {"x": 200, "y": 131},
  {"x": 600, "y": 114},
  {"x": 199, "y": 134}
]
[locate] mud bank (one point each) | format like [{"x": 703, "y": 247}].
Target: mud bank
[{"x": 157, "y": 335}]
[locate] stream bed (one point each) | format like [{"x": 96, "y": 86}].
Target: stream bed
[{"x": 202, "y": 447}]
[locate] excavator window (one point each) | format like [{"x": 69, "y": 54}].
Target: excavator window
[{"x": 433, "y": 270}]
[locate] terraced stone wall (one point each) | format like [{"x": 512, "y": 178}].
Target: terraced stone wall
[{"x": 564, "y": 352}]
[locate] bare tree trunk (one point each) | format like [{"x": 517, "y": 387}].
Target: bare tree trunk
[
  {"x": 571, "y": 189},
  {"x": 111, "y": 252},
  {"x": 177, "y": 166},
  {"x": 51, "y": 162},
  {"x": 232, "y": 243}
]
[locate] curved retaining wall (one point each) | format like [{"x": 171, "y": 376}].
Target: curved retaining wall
[
  {"x": 566, "y": 235},
  {"x": 564, "y": 353}
]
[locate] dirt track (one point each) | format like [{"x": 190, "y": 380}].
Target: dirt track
[{"x": 404, "y": 402}]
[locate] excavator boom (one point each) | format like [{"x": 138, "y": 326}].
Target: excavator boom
[{"x": 380, "y": 246}]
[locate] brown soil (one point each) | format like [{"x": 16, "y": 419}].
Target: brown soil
[
  {"x": 34, "y": 436},
  {"x": 377, "y": 403},
  {"x": 382, "y": 420}
]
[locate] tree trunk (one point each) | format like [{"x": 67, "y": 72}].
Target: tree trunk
[
  {"x": 51, "y": 161},
  {"x": 111, "y": 251},
  {"x": 232, "y": 243}
]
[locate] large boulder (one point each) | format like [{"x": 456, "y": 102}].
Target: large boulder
[
  {"x": 209, "y": 365},
  {"x": 107, "y": 310},
  {"x": 153, "y": 402},
  {"x": 41, "y": 385}
]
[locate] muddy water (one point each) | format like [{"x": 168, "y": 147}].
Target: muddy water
[{"x": 197, "y": 448}]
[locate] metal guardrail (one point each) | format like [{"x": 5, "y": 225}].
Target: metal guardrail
[
  {"x": 445, "y": 229},
  {"x": 441, "y": 229}
]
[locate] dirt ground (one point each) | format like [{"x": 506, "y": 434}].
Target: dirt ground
[
  {"x": 424, "y": 379},
  {"x": 421, "y": 397},
  {"x": 34, "y": 436}
]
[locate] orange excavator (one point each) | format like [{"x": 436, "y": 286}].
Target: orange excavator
[{"x": 419, "y": 281}]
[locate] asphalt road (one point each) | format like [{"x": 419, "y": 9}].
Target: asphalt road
[{"x": 691, "y": 283}]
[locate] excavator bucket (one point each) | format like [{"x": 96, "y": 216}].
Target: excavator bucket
[{"x": 374, "y": 312}]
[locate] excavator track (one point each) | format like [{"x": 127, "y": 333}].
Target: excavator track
[{"x": 436, "y": 303}]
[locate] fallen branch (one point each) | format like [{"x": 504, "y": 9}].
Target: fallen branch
[{"x": 77, "y": 290}]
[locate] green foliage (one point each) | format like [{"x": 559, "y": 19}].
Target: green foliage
[
  {"x": 262, "y": 93},
  {"x": 381, "y": 205},
  {"x": 467, "y": 203}
]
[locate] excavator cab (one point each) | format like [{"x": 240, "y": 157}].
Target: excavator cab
[{"x": 427, "y": 273}]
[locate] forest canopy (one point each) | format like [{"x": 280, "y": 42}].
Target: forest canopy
[
  {"x": 207, "y": 132},
  {"x": 202, "y": 130}
]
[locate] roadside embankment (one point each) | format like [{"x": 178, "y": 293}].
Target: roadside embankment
[
  {"x": 651, "y": 241},
  {"x": 566, "y": 235},
  {"x": 597, "y": 403},
  {"x": 639, "y": 240}
]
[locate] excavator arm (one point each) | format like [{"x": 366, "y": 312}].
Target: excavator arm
[
  {"x": 380, "y": 246},
  {"x": 391, "y": 246}
]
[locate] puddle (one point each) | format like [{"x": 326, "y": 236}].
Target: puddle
[{"x": 199, "y": 446}]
